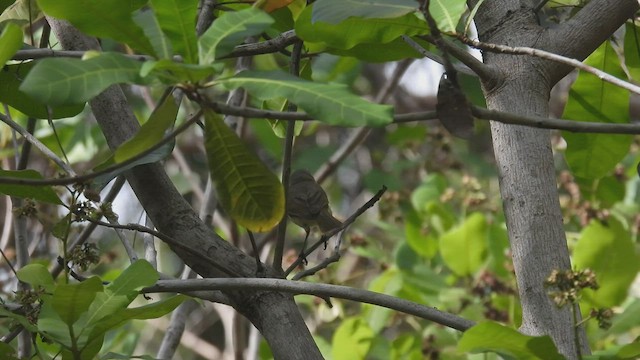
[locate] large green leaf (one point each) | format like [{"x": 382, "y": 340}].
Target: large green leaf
[
  {"x": 21, "y": 12},
  {"x": 102, "y": 18},
  {"x": 72, "y": 81},
  {"x": 464, "y": 248},
  {"x": 151, "y": 28},
  {"x": 36, "y": 275},
  {"x": 250, "y": 193},
  {"x": 360, "y": 30},
  {"x": 508, "y": 343},
  {"x": 11, "y": 78},
  {"x": 10, "y": 42},
  {"x": 395, "y": 50},
  {"x": 335, "y": 11},
  {"x": 177, "y": 19},
  {"x": 330, "y": 103},
  {"x": 172, "y": 72},
  {"x": 71, "y": 301},
  {"x": 447, "y": 13},
  {"x": 38, "y": 193},
  {"x": 151, "y": 132},
  {"x": 609, "y": 251},
  {"x": 590, "y": 99},
  {"x": 230, "y": 30},
  {"x": 351, "y": 340}
]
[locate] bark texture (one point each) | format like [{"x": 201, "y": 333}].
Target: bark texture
[
  {"x": 274, "y": 314},
  {"x": 525, "y": 163}
]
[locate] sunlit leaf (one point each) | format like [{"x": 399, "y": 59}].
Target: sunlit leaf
[
  {"x": 36, "y": 275},
  {"x": 615, "y": 271},
  {"x": 71, "y": 81},
  {"x": 10, "y": 42},
  {"x": 508, "y": 343},
  {"x": 447, "y": 13},
  {"x": 21, "y": 12},
  {"x": 329, "y": 103},
  {"x": 38, "y": 193},
  {"x": 11, "y": 78},
  {"x": 464, "y": 248},
  {"x": 102, "y": 18},
  {"x": 249, "y": 192},
  {"x": 593, "y": 156},
  {"x": 177, "y": 19},
  {"x": 351, "y": 340},
  {"x": 335, "y": 11},
  {"x": 230, "y": 30}
]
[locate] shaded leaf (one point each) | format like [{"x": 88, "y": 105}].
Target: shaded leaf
[
  {"x": 151, "y": 28},
  {"x": 593, "y": 156},
  {"x": 453, "y": 109},
  {"x": 10, "y": 42},
  {"x": 172, "y": 72},
  {"x": 361, "y": 31},
  {"x": 151, "y": 132},
  {"x": 330, "y": 103},
  {"x": 230, "y": 30},
  {"x": 250, "y": 193},
  {"x": 38, "y": 193},
  {"x": 615, "y": 271},
  {"x": 11, "y": 77},
  {"x": 70, "y": 301},
  {"x": 335, "y": 11},
  {"x": 632, "y": 50},
  {"x": 508, "y": 343},
  {"x": 72, "y": 81},
  {"x": 177, "y": 19},
  {"x": 36, "y": 275},
  {"x": 102, "y": 18}
]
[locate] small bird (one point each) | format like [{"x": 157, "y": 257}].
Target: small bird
[{"x": 308, "y": 205}]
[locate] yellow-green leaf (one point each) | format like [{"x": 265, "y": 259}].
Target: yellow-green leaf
[{"x": 249, "y": 192}]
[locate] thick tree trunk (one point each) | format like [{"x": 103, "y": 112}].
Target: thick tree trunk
[
  {"x": 275, "y": 315},
  {"x": 525, "y": 163}
]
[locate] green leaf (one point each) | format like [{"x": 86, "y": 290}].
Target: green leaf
[
  {"x": 72, "y": 81},
  {"x": 38, "y": 193},
  {"x": 151, "y": 28},
  {"x": 230, "y": 30},
  {"x": 36, "y": 275},
  {"x": 616, "y": 270},
  {"x": 330, "y": 103},
  {"x": 447, "y": 13},
  {"x": 593, "y": 156},
  {"x": 250, "y": 193},
  {"x": 351, "y": 340},
  {"x": 70, "y": 301},
  {"x": 151, "y": 132},
  {"x": 10, "y": 42},
  {"x": 508, "y": 343},
  {"x": 151, "y": 311},
  {"x": 122, "y": 291},
  {"x": 632, "y": 50},
  {"x": 176, "y": 72},
  {"x": 103, "y": 19},
  {"x": 395, "y": 50},
  {"x": 21, "y": 12},
  {"x": 11, "y": 78},
  {"x": 361, "y": 31},
  {"x": 630, "y": 351},
  {"x": 464, "y": 248},
  {"x": 421, "y": 241},
  {"x": 177, "y": 19},
  {"x": 335, "y": 11}
]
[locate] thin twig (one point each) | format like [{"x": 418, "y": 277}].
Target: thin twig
[
  {"x": 294, "y": 67},
  {"x": 328, "y": 235},
  {"x": 520, "y": 50},
  {"x": 35, "y": 142},
  {"x": 322, "y": 290},
  {"x": 87, "y": 177}
]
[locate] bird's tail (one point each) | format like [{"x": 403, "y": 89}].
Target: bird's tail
[{"x": 326, "y": 222}]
